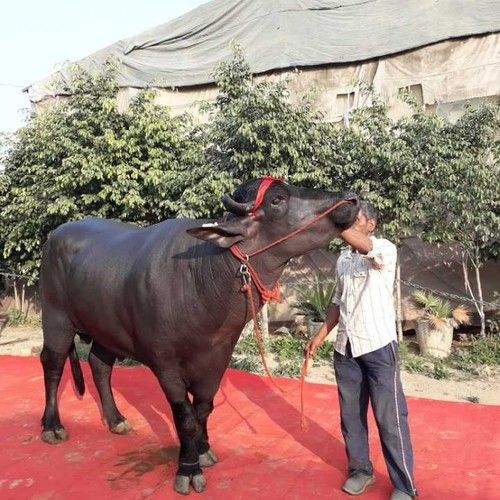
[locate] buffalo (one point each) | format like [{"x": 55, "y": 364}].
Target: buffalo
[{"x": 170, "y": 301}]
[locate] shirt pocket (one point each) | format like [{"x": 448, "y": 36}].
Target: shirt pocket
[
  {"x": 360, "y": 273},
  {"x": 359, "y": 279}
]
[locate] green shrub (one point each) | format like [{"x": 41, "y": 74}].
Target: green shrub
[
  {"x": 16, "y": 317},
  {"x": 247, "y": 346},
  {"x": 325, "y": 351},
  {"x": 247, "y": 363},
  {"x": 440, "y": 371},
  {"x": 288, "y": 368},
  {"x": 483, "y": 351},
  {"x": 82, "y": 350},
  {"x": 128, "y": 362},
  {"x": 287, "y": 348},
  {"x": 416, "y": 364}
]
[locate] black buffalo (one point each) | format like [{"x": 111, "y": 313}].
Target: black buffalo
[{"x": 158, "y": 295}]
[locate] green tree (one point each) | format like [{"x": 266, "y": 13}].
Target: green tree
[
  {"x": 83, "y": 157},
  {"x": 253, "y": 129},
  {"x": 464, "y": 193}
]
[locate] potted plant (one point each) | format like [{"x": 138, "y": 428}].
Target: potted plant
[
  {"x": 313, "y": 301},
  {"x": 435, "y": 321}
]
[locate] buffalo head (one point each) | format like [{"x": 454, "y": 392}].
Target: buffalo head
[{"x": 254, "y": 221}]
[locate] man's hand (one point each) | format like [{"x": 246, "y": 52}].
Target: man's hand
[
  {"x": 313, "y": 344},
  {"x": 376, "y": 261},
  {"x": 332, "y": 318}
]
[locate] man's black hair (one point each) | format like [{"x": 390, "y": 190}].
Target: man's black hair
[{"x": 368, "y": 210}]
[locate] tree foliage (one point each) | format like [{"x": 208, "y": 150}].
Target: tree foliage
[
  {"x": 253, "y": 129},
  {"x": 84, "y": 157}
]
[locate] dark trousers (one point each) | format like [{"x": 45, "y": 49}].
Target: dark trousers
[{"x": 375, "y": 377}]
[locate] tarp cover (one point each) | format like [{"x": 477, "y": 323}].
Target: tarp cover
[{"x": 281, "y": 34}]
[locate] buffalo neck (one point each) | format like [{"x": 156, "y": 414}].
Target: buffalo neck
[{"x": 219, "y": 273}]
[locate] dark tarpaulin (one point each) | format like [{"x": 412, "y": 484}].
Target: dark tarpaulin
[{"x": 281, "y": 34}]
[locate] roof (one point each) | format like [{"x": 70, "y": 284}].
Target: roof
[{"x": 281, "y": 34}]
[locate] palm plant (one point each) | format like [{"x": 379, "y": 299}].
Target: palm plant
[
  {"x": 313, "y": 300},
  {"x": 439, "y": 312}
]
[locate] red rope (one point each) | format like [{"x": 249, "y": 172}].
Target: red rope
[
  {"x": 303, "y": 372},
  {"x": 274, "y": 293},
  {"x": 247, "y": 288},
  {"x": 298, "y": 230},
  {"x": 267, "y": 294}
]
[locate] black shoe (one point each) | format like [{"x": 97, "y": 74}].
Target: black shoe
[{"x": 357, "y": 483}]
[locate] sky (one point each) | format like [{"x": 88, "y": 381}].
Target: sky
[{"x": 36, "y": 36}]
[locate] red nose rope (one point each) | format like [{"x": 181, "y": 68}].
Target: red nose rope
[{"x": 249, "y": 275}]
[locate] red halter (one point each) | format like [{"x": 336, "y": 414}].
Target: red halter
[{"x": 266, "y": 181}]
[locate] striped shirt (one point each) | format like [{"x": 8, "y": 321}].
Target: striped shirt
[{"x": 365, "y": 298}]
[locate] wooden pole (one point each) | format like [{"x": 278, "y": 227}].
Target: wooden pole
[{"x": 399, "y": 318}]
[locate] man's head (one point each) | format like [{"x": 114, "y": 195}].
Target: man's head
[{"x": 366, "y": 221}]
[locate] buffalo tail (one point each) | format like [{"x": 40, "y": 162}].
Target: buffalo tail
[{"x": 76, "y": 370}]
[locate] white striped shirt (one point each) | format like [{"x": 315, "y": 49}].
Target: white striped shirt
[{"x": 365, "y": 298}]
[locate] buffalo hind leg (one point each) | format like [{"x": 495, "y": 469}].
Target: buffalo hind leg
[
  {"x": 202, "y": 410},
  {"x": 101, "y": 363},
  {"x": 53, "y": 364}
]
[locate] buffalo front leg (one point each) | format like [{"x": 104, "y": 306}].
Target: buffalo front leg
[
  {"x": 202, "y": 410},
  {"x": 101, "y": 363},
  {"x": 188, "y": 431}
]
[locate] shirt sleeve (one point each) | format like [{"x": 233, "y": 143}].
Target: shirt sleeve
[
  {"x": 338, "y": 289},
  {"x": 384, "y": 254}
]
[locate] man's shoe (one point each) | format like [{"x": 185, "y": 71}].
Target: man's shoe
[
  {"x": 400, "y": 495},
  {"x": 357, "y": 483}
]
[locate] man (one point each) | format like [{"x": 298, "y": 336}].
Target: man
[{"x": 366, "y": 359}]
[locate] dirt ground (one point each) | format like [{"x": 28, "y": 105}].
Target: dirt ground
[{"x": 485, "y": 389}]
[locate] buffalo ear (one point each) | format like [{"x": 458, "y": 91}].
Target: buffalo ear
[{"x": 223, "y": 235}]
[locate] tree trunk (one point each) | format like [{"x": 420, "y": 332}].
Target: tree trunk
[
  {"x": 478, "y": 303},
  {"x": 16, "y": 296},
  {"x": 399, "y": 318},
  {"x": 480, "y": 299},
  {"x": 23, "y": 297},
  {"x": 264, "y": 321}
]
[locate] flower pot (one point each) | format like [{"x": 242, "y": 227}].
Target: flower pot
[
  {"x": 313, "y": 327},
  {"x": 432, "y": 341}
]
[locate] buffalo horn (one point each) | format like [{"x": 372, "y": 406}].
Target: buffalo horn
[{"x": 236, "y": 207}]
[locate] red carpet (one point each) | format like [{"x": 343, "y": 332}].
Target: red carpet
[{"x": 254, "y": 430}]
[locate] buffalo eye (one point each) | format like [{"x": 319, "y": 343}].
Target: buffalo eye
[{"x": 277, "y": 201}]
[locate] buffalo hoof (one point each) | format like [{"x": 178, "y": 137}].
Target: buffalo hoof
[
  {"x": 182, "y": 483},
  {"x": 55, "y": 436},
  {"x": 121, "y": 428},
  {"x": 208, "y": 459},
  {"x": 199, "y": 483}
]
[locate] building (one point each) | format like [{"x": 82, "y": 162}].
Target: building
[{"x": 446, "y": 52}]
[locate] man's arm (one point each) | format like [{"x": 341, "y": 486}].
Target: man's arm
[
  {"x": 357, "y": 240},
  {"x": 332, "y": 318}
]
